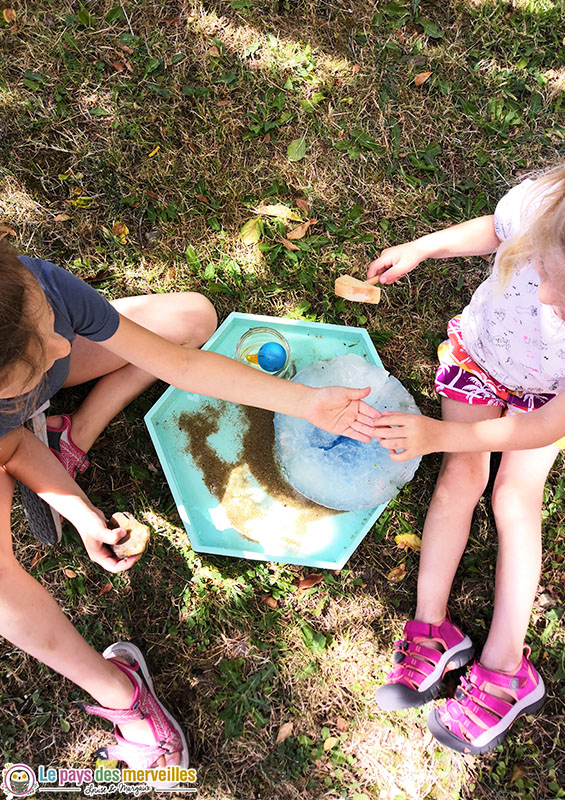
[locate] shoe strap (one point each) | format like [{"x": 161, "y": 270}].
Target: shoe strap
[{"x": 136, "y": 756}]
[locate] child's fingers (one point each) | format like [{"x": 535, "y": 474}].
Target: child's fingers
[{"x": 111, "y": 535}]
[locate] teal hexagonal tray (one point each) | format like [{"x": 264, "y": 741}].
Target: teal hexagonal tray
[{"x": 279, "y": 532}]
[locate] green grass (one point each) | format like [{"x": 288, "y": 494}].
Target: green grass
[{"x": 176, "y": 121}]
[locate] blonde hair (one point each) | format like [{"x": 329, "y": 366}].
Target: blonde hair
[{"x": 542, "y": 227}]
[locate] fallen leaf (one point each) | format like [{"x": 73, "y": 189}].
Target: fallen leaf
[
  {"x": 70, "y": 573},
  {"x": 301, "y": 230},
  {"x": 61, "y": 217},
  {"x": 303, "y": 205},
  {"x": 105, "y": 589},
  {"x": 278, "y": 210},
  {"x": 296, "y": 149},
  {"x": 310, "y": 580},
  {"x": 341, "y": 724},
  {"x": 517, "y": 772},
  {"x": 289, "y": 245},
  {"x": 356, "y": 68},
  {"x": 120, "y": 231},
  {"x": 222, "y": 103},
  {"x": 408, "y": 541},
  {"x": 154, "y": 151},
  {"x": 171, "y": 273},
  {"x": 36, "y": 559},
  {"x": 213, "y": 51},
  {"x": 202, "y": 198},
  {"x": 269, "y": 601},
  {"x": 251, "y": 231},
  {"x": 330, "y": 742},
  {"x": 397, "y": 574},
  {"x": 5, "y": 230},
  {"x": 119, "y": 66},
  {"x": 125, "y": 48},
  {"x": 267, "y": 138},
  {"x": 421, "y": 78},
  {"x": 128, "y": 66},
  {"x": 9, "y": 15},
  {"x": 285, "y": 731}
]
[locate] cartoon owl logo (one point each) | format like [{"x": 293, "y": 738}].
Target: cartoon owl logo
[{"x": 18, "y": 780}]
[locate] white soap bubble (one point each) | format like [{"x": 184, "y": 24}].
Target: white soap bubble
[{"x": 335, "y": 471}]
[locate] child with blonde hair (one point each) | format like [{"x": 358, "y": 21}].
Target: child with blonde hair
[
  {"x": 57, "y": 331},
  {"x": 502, "y": 383}
]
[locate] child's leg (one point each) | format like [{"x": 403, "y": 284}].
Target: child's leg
[
  {"x": 517, "y": 500},
  {"x": 32, "y": 620},
  {"x": 185, "y": 318},
  {"x": 461, "y": 482}
]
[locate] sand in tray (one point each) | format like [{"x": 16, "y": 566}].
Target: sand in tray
[{"x": 257, "y": 500}]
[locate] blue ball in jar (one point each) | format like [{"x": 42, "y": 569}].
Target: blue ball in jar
[{"x": 271, "y": 356}]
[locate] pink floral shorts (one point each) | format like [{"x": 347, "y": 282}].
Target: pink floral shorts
[{"x": 461, "y": 378}]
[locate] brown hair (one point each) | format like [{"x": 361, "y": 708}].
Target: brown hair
[
  {"x": 543, "y": 227},
  {"x": 18, "y": 334}
]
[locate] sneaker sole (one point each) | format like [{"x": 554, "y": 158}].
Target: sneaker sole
[
  {"x": 528, "y": 705},
  {"x": 398, "y": 696},
  {"x": 117, "y": 650},
  {"x": 44, "y": 522}
]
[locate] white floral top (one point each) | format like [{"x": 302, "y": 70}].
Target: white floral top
[{"x": 509, "y": 333}]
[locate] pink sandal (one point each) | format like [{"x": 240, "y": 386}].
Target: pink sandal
[
  {"x": 419, "y": 670},
  {"x": 61, "y": 444},
  {"x": 475, "y": 721},
  {"x": 168, "y": 734}
]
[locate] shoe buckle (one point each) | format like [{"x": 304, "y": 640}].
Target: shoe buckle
[{"x": 514, "y": 683}]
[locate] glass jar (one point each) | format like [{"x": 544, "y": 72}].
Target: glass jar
[{"x": 265, "y": 349}]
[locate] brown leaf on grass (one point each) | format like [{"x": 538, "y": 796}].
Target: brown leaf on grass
[
  {"x": 70, "y": 573},
  {"x": 267, "y": 138},
  {"x": 517, "y": 772},
  {"x": 397, "y": 574},
  {"x": 119, "y": 66},
  {"x": 5, "y": 230},
  {"x": 421, "y": 78},
  {"x": 9, "y": 15},
  {"x": 125, "y": 48},
  {"x": 310, "y": 580},
  {"x": 269, "y": 601},
  {"x": 214, "y": 52},
  {"x": 171, "y": 273},
  {"x": 285, "y": 731},
  {"x": 201, "y": 197},
  {"x": 61, "y": 217},
  {"x": 128, "y": 66},
  {"x": 289, "y": 245},
  {"x": 105, "y": 589},
  {"x": 302, "y": 204},
  {"x": 341, "y": 724},
  {"x": 120, "y": 231},
  {"x": 36, "y": 559},
  {"x": 356, "y": 69},
  {"x": 301, "y": 230},
  {"x": 222, "y": 103}
]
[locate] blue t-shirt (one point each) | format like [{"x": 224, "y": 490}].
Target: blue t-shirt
[{"x": 78, "y": 309}]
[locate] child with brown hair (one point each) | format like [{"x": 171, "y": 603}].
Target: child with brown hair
[
  {"x": 505, "y": 356},
  {"x": 56, "y": 331}
]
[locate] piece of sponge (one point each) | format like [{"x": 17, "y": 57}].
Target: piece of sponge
[
  {"x": 351, "y": 288},
  {"x": 137, "y": 535}
]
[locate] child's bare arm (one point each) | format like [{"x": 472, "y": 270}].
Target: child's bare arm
[
  {"x": 416, "y": 435},
  {"x": 335, "y": 409},
  {"x": 28, "y": 460},
  {"x": 472, "y": 238}
]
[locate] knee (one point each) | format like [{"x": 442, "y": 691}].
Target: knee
[
  {"x": 514, "y": 498},
  {"x": 463, "y": 476},
  {"x": 201, "y": 320}
]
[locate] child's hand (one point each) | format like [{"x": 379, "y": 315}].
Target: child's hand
[
  {"x": 338, "y": 409},
  {"x": 394, "y": 262},
  {"x": 96, "y": 535},
  {"x": 411, "y": 434}
]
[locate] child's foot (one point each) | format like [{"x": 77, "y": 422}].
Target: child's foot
[
  {"x": 421, "y": 660},
  {"x": 61, "y": 444},
  {"x": 478, "y": 718},
  {"x": 147, "y": 734}
]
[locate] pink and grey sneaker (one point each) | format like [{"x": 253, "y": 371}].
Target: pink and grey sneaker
[
  {"x": 419, "y": 670},
  {"x": 61, "y": 445},
  {"x": 167, "y": 733},
  {"x": 475, "y": 721}
]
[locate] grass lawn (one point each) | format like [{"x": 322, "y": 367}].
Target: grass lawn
[{"x": 137, "y": 139}]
